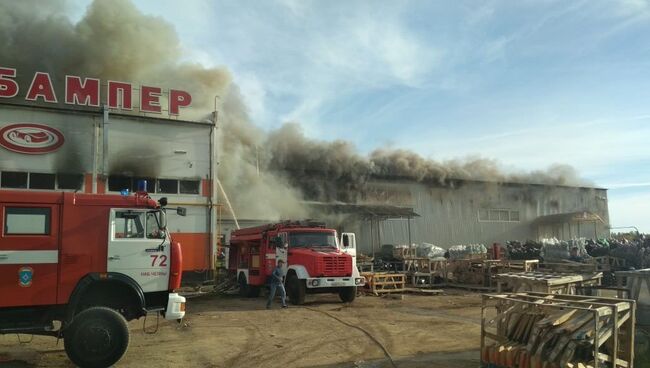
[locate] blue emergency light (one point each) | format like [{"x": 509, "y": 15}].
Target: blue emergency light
[{"x": 142, "y": 185}]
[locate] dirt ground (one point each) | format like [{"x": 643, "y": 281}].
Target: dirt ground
[{"x": 221, "y": 331}]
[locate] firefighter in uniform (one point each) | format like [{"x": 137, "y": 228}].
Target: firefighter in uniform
[{"x": 275, "y": 283}]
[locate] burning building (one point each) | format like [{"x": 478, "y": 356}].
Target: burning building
[
  {"x": 97, "y": 114},
  {"x": 403, "y": 211}
]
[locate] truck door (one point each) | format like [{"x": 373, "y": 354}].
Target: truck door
[
  {"x": 29, "y": 254},
  {"x": 349, "y": 246},
  {"x": 138, "y": 248},
  {"x": 281, "y": 252}
]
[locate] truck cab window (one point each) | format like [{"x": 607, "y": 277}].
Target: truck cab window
[
  {"x": 312, "y": 239},
  {"x": 129, "y": 224},
  {"x": 27, "y": 221},
  {"x": 153, "y": 226}
]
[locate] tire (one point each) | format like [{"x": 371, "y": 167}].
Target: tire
[
  {"x": 97, "y": 338},
  {"x": 348, "y": 294},
  {"x": 296, "y": 290},
  {"x": 253, "y": 291},
  {"x": 246, "y": 290},
  {"x": 243, "y": 286}
]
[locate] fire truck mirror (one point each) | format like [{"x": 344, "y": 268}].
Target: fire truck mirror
[
  {"x": 163, "y": 220},
  {"x": 346, "y": 241},
  {"x": 181, "y": 211}
]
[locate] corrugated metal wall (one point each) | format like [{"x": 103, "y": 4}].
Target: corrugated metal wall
[{"x": 449, "y": 216}]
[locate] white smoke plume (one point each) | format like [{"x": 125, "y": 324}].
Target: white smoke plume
[{"x": 266, "y": 174}]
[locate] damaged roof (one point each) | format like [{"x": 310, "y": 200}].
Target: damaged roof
[
  {"x": 367, "y": 210},
  {"x": 583, "y": 216}
]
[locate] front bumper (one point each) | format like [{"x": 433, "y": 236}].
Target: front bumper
[
  {"x": 333, "y": 282},
  {"x": 175, "y": 307}
]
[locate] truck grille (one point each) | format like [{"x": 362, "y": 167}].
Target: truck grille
[{"x": 337, "y": 266}]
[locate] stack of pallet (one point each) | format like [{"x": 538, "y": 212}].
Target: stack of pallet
[
  {"x": 568, "y": 267},
  {"x": 557, "y": 283},
  {"x": 480, "y": 273},
  {"x": 540, "y": 330},
  {"x": 638, "y": 284},
  {"x": 381, "y": 282}
]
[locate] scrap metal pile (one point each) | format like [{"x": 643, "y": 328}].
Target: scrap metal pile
[
  {"x": 467, "y": 251},
  {"x": 517, "y": 250},
  {"x": 391, "y": 257},
  {"x": 636, "y": 252},
  {"x": 547, "y": 249}
]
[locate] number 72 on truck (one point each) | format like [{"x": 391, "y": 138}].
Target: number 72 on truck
[{"x": 79, "y": 266}]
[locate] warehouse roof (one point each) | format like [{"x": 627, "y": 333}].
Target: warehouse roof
[
  {"x": 367, "y": 210},
  {"x": 569, "y": 217},
  {"x": 457, "y": 182}
]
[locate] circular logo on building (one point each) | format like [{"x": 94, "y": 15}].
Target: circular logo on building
[
  {"x": 33, "y": 139},
  {"x": 25, "y": 276}
]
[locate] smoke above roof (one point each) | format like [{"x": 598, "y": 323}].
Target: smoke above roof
[{"x": 266, "y": 174}]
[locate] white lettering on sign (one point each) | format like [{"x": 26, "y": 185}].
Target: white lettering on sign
[
  {"x": 86, "y": 92},
  {"x": 153, "y": 273}
]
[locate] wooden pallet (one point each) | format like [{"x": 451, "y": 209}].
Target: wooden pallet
[
  {"x": 381, "y": 282},
  {"x": 568, "y": 267},
  {"x": 608, "y": 263},
  {"x": 424, "y": 271},
  {"x": 422, "y": 291},
  {"x": 539, "y": 330},
  {"x": 523, "y": 265},
  {"x": 554, "y": 283},
  {"x": 471, "y": 287},
  {"x": 403, "y": 253},
  {"x": 482, "y": 272},
  {"x": 638, "y": 284}
]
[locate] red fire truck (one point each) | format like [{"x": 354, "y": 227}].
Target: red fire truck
[
  {"x": 316, "y": 261},
  {"x": 79, "y": 266}
]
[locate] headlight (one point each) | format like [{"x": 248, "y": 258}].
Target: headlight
[
  {"x": 358, "y": 281},
  {"x": 315, "y": 282}
]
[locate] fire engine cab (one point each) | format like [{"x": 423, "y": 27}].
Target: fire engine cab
[
  {"x": 316, "y": 260},
  {"x": 79, "y": 266}
]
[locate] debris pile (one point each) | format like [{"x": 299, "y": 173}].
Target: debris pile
[
  {"x": 516, "y": 250},
  {"x": 554, "y": 250},
  {"x": 635, "y": 252},
  {"x": 467, "y": 251},
  {"x": 426, "y": 250}
]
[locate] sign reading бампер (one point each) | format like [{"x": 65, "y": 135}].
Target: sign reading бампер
[{"x": 86, "y": 92}]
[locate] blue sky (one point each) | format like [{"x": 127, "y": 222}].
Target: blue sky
[{"x": 529, "y": 83}]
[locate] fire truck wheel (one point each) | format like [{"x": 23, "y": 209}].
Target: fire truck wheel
[
  {"x": 97, "y": 338},
  {"x": 253, "y": 291},
  {"x": 246, "y": 290},
  {"x": 348, "y": 294},
  {"x": 296, "y": 289}
]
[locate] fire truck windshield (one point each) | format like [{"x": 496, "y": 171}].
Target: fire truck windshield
[{"x": 312, "y": 239}]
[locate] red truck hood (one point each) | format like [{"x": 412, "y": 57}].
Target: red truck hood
[{"x": 322, "y": 262}]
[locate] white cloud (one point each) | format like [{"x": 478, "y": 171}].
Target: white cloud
[
  {"x": 385, "y": 48},
  {"x": 297, "y": 7},
  {"x": 596, "y": 149}
]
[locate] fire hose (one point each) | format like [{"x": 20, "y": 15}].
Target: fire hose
[{"x": 383, "y": 348}]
